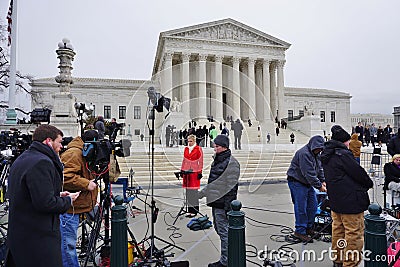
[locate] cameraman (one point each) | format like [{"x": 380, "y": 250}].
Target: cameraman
[
  {"x": 77, "y": 178},
  {"x": 112, "y": 128},
  {"x": 99, "y": 126}
]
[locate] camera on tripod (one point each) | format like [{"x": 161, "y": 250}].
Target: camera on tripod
[
  {"x": 99, "y": 152},
  {"x": 15, "y": 141}
]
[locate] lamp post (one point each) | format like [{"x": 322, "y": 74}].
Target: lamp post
[{"x": 82, "y": 109}]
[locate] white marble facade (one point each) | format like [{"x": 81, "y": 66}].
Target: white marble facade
[{"x": 221, "y": 68}]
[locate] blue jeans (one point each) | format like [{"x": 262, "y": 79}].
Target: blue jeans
[
  {"x": 220, "y": 221},
  {"x": 305, "y": 204},
  {"x": 69, "y": 224}
]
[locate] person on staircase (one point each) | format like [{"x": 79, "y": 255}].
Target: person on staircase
[{"x": 292, "y": 138}]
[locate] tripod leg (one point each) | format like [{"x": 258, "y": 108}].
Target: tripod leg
[
  {"x": 135, "y": 244},
  {"x": 91, "y": 248}
]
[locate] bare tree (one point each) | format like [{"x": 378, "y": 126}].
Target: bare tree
[{"x": 22, "y": 80}]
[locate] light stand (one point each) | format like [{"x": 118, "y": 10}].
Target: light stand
[
  {"x": 82, "y": 109},
  {"x": 157, "y": 101}
]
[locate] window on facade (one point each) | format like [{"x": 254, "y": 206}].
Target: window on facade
[
  {"x": 301, "y": 113},
  {"x": 94, "y": 111},
  {"x": 290, "y": 114},
  {"x": 333, "y": 116},
  {"x": 137, "y": 131},
  {"x": 107, "y": 112},
  {"x": 122, "y": 112},
  {"x": 137, "y": 113},
  {"x": 322, "y": 115}
]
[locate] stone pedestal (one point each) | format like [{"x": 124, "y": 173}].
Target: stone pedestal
[{"x": 309, "y": 125}]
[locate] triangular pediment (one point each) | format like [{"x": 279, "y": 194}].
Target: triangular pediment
[{"x": 226, "y": 30}]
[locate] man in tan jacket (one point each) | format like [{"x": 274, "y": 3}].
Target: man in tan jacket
[
  {"x": 355, "y": 146},
  {"x": 77, "y": 178}
]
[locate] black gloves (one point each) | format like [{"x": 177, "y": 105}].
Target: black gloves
[{"x": 199, "y": 175}]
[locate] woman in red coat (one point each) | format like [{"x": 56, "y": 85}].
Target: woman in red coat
[{"x": 192, "y": 168}]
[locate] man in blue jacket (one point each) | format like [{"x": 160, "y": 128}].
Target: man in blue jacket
[{"x": 304, "y": 174}]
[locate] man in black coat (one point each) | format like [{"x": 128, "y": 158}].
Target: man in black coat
[
  {"x": 394, "y": 144},
  {"x": 347, "y": 186},
  {"x": 220, "y": 191},
  {"x": 36, "y": 202},
  {"x": 237, "y": 129}
]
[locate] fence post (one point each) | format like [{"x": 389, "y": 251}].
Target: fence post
[
  {"x": 119, "y": 236},
  {"x": 375, "y": 238},
  {"x": 236, "y": 236}
]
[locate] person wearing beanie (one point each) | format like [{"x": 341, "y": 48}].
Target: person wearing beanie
[
  {"x": 220, "y": 191},
  {"x": 347, "y": 185},
  {"x": 77, "y": 178},
  {"x": 392, "y": 178},
  {"x": 304, "y": 174},
  {"x": 99, "y": 126}
]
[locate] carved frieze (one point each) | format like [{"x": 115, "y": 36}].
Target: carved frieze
[{"x": 226, "y": 32}]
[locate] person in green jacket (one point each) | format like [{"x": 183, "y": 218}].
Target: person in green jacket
[{"x": 213, "y": 134}]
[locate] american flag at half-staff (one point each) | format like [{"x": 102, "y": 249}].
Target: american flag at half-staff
[{"x": 9, "y": 20}]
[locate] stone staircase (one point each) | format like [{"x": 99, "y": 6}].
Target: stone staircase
[
  {"x": 257, "y": 165},
  {"x": 259, "y": 161}
]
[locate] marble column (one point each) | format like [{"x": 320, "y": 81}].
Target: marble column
[
  {"x": 272, "y": 72},
  {"x": 202, "y": 110},
  {"x": 218, "y": 88},
  {"x": 185, "y": 85},
  {"x": 251, "y": 87},
  {"x": 236, "y": 88},
  {"x": 266, "y": 91},
  {"x": 281, "y": 87},
  {"x": 259, "y": 94},
  {"x": 167, "y": 76}
]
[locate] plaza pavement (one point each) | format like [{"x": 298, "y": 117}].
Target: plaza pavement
[
  {"x": 266, "y": 227},
  {"x": 269, "y": 218}
]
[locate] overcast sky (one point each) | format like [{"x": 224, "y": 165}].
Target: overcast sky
[{"x": 351, "y": 46}]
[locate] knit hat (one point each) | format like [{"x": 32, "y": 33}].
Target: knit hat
[
  {"x": 90, "y": 135},
  {"x": 222, "y": 140},
  {"x": 339, "y": 134}
]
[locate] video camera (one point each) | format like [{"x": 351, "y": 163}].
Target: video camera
[
  {"x": 98, "y": 152},
  {"x": 15, "y": 141}
]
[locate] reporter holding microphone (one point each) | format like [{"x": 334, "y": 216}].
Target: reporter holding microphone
[{"x": 192, "y": 172}]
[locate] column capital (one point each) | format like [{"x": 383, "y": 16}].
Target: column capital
[
  {"x": 266, "y": 61},
  {"x": 203, "y": 57},
  {"x": 186, "y": 57},
  {"x": 281, "y": 63},
  {"x": 251, "y": 61},
  {"x": 236, "y": 60},
  {"x": 218, "y": 58},
  {"x": 168, "y": 56}
]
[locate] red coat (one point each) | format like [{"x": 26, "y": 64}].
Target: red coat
[{"x": 194, "y": 162}]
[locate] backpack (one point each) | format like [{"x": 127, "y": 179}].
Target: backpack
[{"x": 200, "y": 223}]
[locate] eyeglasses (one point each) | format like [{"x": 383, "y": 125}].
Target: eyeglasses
[{"x": 190, "y": 141}]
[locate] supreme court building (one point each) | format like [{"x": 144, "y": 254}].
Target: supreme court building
[{"x": 218, "y": 69}]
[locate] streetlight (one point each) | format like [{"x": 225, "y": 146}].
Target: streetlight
[{"x": 82, "y": 109}]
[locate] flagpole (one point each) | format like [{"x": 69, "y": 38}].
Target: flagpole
[{"x": 11, "y": 114}]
